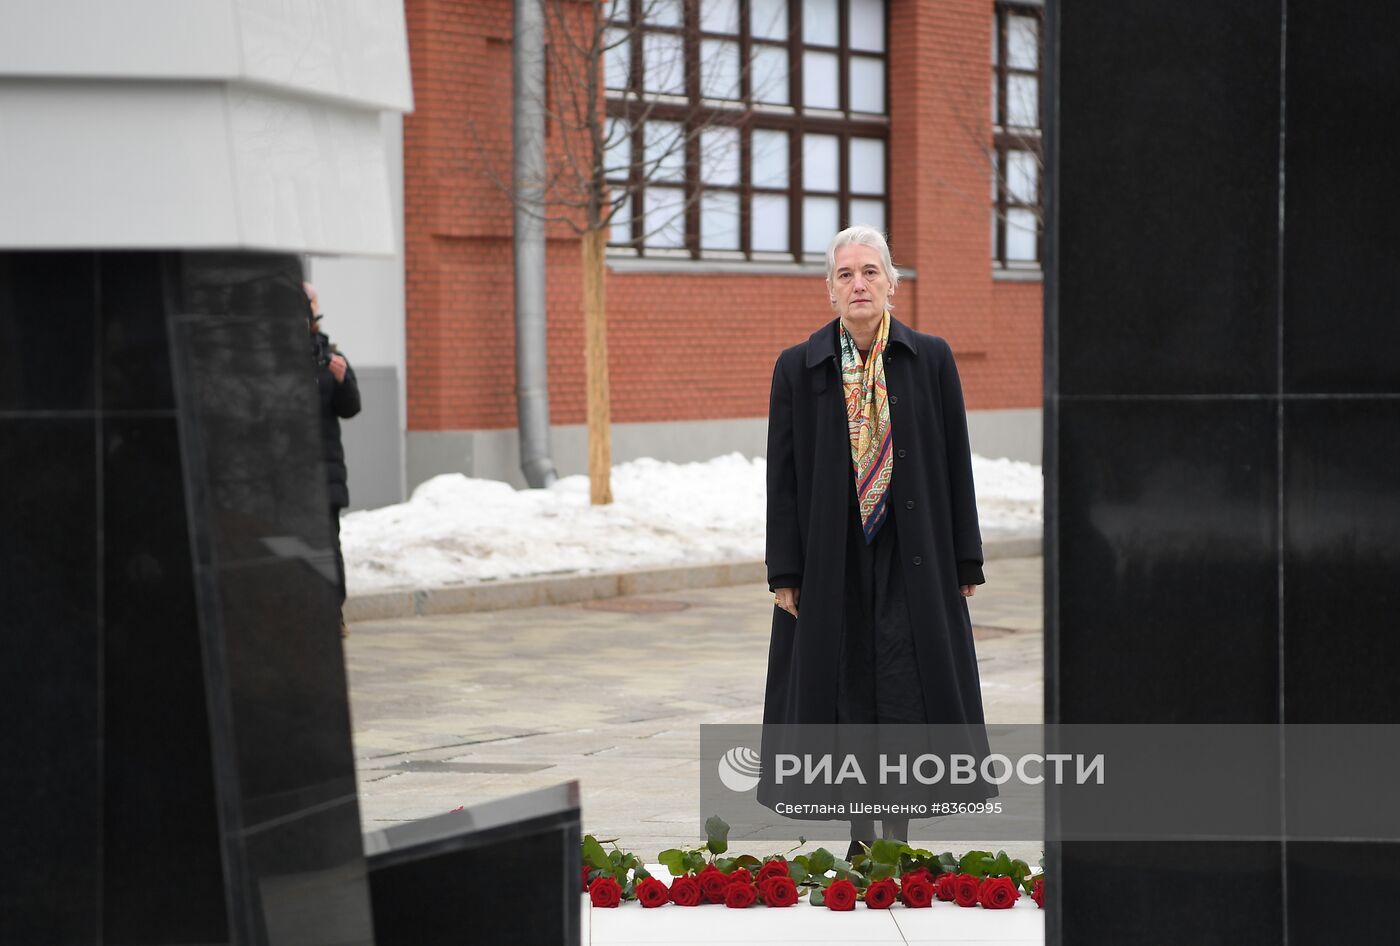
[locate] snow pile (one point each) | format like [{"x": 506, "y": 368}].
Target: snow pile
[{"x": 456, "y": 530}]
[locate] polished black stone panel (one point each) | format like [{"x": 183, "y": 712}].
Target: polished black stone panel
[
  {"x": 135, "y": 350},
  {"x": 163, "y": 873},
  {"x": 286, "y": 673},
  {"x": 48, "y": 305},
  {"x": 1168, "y": 603},
  {"x": 1167, "y": 217},
  {"x": 1333, "y": 894},
  {"x": 181, "y": 769},
  {"x": 266, "y": 595},
  {"x": 1341, "y": 560},
  {"x": 426, "y": 877},
  {"x": 244, "y": 363},
  {"x": 50, "y": 681},
  {"x": 1341, "y": 333},
  {"x": 1170, "y": 894}
]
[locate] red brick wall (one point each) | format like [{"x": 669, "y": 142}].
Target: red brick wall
[{"x": 690, "y": 346}]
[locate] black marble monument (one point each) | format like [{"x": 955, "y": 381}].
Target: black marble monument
[{"x": 1222, "y": 427}]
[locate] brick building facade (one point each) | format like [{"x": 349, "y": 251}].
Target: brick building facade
[{"x": 692, "y": 342}]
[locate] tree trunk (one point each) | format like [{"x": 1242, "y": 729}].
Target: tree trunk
[{"x": 595, "y": 353}]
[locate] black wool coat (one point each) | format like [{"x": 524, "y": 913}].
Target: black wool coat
[
  {"x": 338, "y": 399},
  {"x": 931, "y": 494}
]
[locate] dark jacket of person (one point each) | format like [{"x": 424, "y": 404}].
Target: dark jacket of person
[
  {"x": 337, "y": 400},
  {"x": 931, "y": 494}
]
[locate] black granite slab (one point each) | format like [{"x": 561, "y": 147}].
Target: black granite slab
[
  {"x": 1167, "y": 205},
  {"x": 265, "y": 588},
  {"x": 1168, "y": 588},
  {"x": 426, "y": 876},
  {"x": 1341, "y": 333},
  {"x": 50, "y": 680}
]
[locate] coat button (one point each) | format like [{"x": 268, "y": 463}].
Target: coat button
[
  {"x": 894, "y": 399},
  {"x": 918, "y": 560},
  {"x": 900, "y": 454},
  {"x": 909, "y": 504}
]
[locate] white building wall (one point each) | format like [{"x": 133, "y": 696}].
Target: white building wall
[{"x": 363, "y": 302}]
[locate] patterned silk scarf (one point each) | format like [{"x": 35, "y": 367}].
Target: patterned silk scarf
[{"x": 868, "y": 420}]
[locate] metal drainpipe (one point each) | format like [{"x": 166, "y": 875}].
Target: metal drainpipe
[{"x": 531, "y": 340}]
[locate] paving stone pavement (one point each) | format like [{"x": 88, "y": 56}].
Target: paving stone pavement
[{"x": 455, "y": 709}]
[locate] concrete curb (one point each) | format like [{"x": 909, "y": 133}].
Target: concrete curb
[{"x": 541, "y": 590}]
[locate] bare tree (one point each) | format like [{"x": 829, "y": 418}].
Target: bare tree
[
  {"x": 1006, "y": 132},
  {"x": 622, "y": 109}
]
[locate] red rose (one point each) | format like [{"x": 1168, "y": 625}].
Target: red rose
[
  {"x": 741, "y": 876},
  {"x": 585, "y": 877},
  {"x": 1038, "y": 892},
  {"x": 778, "y": 891},
  {"x": 685, "y": 891},
  {"x": 772, "y": 869},
  {"x": 945, "y": 887},
  {"x": 739, "y": 896},
  {"x": 998, "y": 893},
  {"x": 841, "y": 895},
  {"x": 881, "y": 895},
  {"x": 965, "y": 890},
  {"x": 922, "y": 872},
  {"x": 653, "y": 893},
  {"x": 604, "y": 892},
  {"x": 712, "y": 883},
  {"x": 916, "y": 891}
]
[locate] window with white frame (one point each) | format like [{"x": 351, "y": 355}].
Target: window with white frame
[
  {"x": 1016, "y": 161},
  {"x": 746, "y": 130}
]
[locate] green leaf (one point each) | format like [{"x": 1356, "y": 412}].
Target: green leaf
[
  {"x": 885, "y": 851},
  {"x": 947, "y": 862},
  {"x": 640, "y": 873},
  {"x": 818, "y": 898},
  {"x": 694, "y": 861},
  {"x": 746, "y": 860},
  {"x": 725, "y": 864},
  {"x": 674, "y": 861},
  {"x": 975, "y": 863},
  {"x": 820, "y": 861},
  {"x": 881, "y": 871},
  {"x": 798, "y": 872},
  {"x": 1020, "y": 870},
  {"x": 1001, "y": 865},
  {"x": 594, "y": 854},
  {"x": 717, "y": 832}
]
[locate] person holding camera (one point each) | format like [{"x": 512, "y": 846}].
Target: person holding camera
[{"x": 339, "y": 398}]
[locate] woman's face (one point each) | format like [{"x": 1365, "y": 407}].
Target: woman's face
[{"x": 859, "y": 286}]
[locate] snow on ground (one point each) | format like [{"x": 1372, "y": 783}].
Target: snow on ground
[{"x": 456, "y": 530}]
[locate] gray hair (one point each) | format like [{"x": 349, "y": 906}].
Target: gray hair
[{"x": 861, "y": 235}]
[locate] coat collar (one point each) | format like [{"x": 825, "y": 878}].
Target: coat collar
[{"x": 821, "y": 345}]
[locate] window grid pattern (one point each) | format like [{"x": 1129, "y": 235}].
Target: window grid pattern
[
  {"x": 756, "y": 170},
  {"x": 1017, "y": 188}
]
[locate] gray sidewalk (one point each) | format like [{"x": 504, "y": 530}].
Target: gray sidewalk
[{"x": 457, "y": 708}]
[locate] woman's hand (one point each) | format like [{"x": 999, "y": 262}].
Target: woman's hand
[
  {"x": 968, "y": 590},
  {"x": 786, "y": 598}
]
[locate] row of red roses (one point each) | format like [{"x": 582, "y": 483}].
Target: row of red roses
[{"x": 774, "y": 887}]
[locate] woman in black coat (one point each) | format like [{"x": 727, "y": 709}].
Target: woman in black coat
[{"x": 873, "y": 542}]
